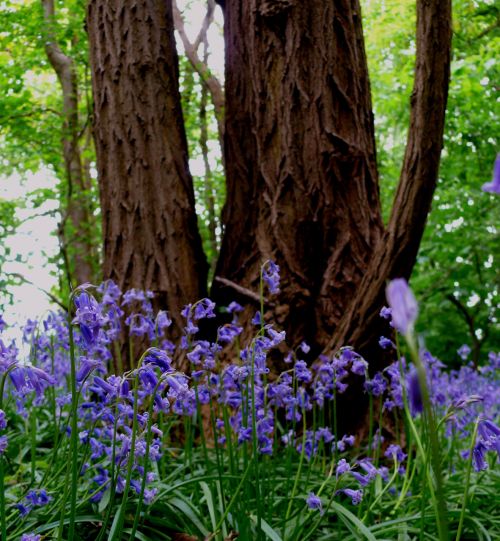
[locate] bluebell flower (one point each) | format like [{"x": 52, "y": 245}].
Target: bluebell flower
[
  {"x": 395, "y": 451},
  {"x": 204, "y": 309},
  {"x": 234, "y": 307},
  {"x": 228, "y": 332},
  {"x": 3, "y": 444},
  {"x": 386, "y": 313},
  {"x": 494, "y": 185},
  {"x": 314, "y": 502},
  {"x": 355, "y": 495},
  {"x": 359, "y": 366},
  {"x": 271, "y": 276},
  {"x": 3, "y": 420},
  {"x": 31, "y": 537},
  {"x": 414, "y": 393},
  {"x": 478, "y": 458},
  {"x": 3, "y": 325},
  {"x": 464, "y": 351},
  {"x": 86, "y": 366},
  {"x": 385, "y": 343},
  {"x": 403, "y": 305},
  {"x": 342, "y": 467},
  {"x": 304, "y": 347},
  {"x": 89, "y": 317},
  {"x": 377, "y": 385}
]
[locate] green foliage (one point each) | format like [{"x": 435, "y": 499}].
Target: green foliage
[
  {"x": 31, "y": 119},
  {"x": 459, "y": 252},
  {"x": 209, "y": 183}
]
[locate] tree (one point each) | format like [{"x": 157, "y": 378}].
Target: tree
[
  {"x": 78, "y": 208},
  {"x": 42, "y": 130},
  {"x": 457, "y": 255},
  {"x": 302, "y": 180},
  {"x": 150, "y": 232},
  {"x": 302, "y": 183}
]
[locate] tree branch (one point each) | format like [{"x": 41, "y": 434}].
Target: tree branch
[
  {"x": 208, "y": 79},
  {"x": 240, "y": 289},
  {"x": 396, "y": 252},
  {"x": 52, "y": 297}
]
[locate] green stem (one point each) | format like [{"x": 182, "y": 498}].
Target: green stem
[
  {"x": 131, "y": 458},
  {"x": 467, "y": 483},
  {"x": 440, "y": 503},
  {"x": 299, "y": 470},
  {"x": 2, "y": 501},
  {"x": 73, "y": 464}
]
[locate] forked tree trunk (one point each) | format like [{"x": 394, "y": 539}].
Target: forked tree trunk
[
  {"x": 151, "y": 238},
  {"x": 302, "y": 186},
  {"x": 396, "y": 252},
  {"x": 301, "y": 166}
]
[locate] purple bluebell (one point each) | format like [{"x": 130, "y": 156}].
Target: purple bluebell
[
  {"x": 355, "y": 495},
  {"x": 271, "y": 276},
  {"x": 234, "y": 307},
  {"x": 414, "y": 393},
  {"x": 385, "y": 343},
  {"x": 377, "y": 385},
  {"x": 3, "y": 444},
  {"x": 88, "y": 316},
  {"x": 464, "y": 352},
  {"x": 86, "y": 366},
  {"x": 204, "y": 308},
  {"x": 395, "y": 451},
  {"x": 228, "y": 332},
  {"x": 342, "y": 467},
  {"x": 403, "y": 305},
  {"x": 359, "y": 366},
  {"x": 314, "y": 502},
  {"x": 386, "y": 313},
  {"x": 31, "y": 537},
  {"x": 478, "y": 458},
  {"x": 304, "y": 347},
  {"x": 494, "y": 185}
]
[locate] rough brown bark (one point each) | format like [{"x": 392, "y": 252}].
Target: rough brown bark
[
  {"x": 80, "y": 269},
  {"x": 302, "y": 185},
  {"x": 396, "y": 252},
  {"x": 150, "y": 231}
]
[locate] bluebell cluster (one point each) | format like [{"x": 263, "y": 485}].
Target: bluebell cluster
[{"x": 242, "y": 395}]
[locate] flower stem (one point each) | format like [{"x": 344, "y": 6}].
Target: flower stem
[{"x": 467, "y": 483}]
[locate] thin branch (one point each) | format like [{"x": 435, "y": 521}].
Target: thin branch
[
  {"x": 205, "y": 25},
  {"x": 240, "y": 289},
  {"x": 488, "y": 29},
  {"x": 208, "y": 79},
  {"x": 25, "y": 280}
]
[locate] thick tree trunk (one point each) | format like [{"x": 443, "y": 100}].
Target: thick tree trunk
[
  {"x": 396, "y": 252},
  {"x": 80, "y": 267},
  {"x": 302, "y": 185},
  {"x": 150, "y": 231}
]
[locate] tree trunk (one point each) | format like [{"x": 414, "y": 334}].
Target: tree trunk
[
  {"x": 302, "y": 186},
  {"x": 81, "y": 268},
  {"x": 150, "y": 232},
  {"x": 397, "y": 249}
]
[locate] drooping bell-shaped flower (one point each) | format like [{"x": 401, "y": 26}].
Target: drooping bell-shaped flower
[{"x": 404, "y": 307}]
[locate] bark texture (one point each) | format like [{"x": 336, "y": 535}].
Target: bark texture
[
  {"x": 302, "y": 186},
  {"x": 397, "y": 249},
  {"x": 79, "y": 270},
  {"x": 150, "y": 232}
]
